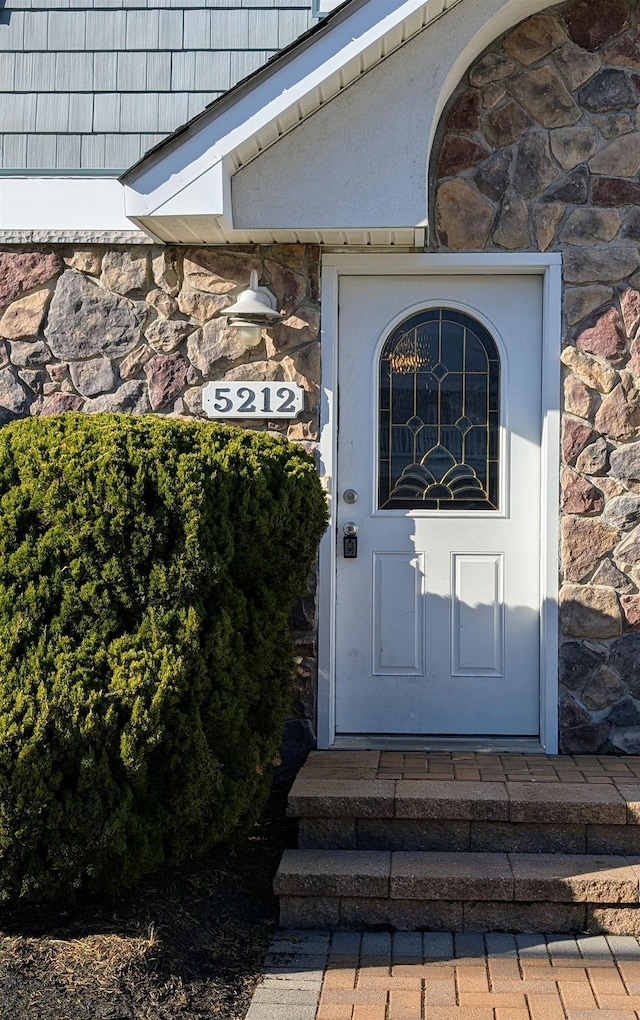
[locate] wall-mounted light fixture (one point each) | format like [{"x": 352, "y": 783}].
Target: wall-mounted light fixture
[{"x": 254, "y": 310}]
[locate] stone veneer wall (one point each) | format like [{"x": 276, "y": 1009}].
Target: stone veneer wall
[
  {"x": 90, "y": 328},
  {"x": 540, "y": 151}
]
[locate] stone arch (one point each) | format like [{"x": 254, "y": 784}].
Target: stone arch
[
  {"x": 506, "y": 16},
  {"x": 538, "y": 150}
]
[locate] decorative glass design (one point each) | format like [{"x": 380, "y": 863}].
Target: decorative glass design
[{"x": 439, "y": 415}]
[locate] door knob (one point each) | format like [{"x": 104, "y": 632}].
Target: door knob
[{"x": 350, "y": 540}]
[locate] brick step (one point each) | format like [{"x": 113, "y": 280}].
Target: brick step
[
  {"x": 428, "y": 815},
  {"x": 470, "y": 836},
  {"x": 342, "y": 889}
]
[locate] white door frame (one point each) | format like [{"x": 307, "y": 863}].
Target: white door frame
[{"x": 549, "y": 266}]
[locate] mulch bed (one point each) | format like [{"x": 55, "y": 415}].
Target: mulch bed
[{"x": 184, "y": 946}]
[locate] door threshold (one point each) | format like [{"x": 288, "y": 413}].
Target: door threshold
[{"x": 406, "y": 742}]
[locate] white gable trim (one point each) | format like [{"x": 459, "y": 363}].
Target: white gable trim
[{"x": 181, "y": 192}]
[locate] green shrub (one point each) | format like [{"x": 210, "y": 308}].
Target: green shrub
[{"x": 148, "y": 567}]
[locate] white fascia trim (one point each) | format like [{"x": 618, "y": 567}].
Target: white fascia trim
[
  {"x": 549, "y": 266},
  {"x": 356, "y": 39},
  {"x": 199, "y": 194},
  {"x": 61, "y": 204}
]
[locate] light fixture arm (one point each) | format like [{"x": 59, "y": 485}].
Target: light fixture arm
[{"x": 262, "y": 292}]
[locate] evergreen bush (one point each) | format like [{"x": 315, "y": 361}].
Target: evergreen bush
[{"x": 148, "y": 567}]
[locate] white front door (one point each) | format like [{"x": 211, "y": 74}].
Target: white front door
[{"x": 439, "y": 435}]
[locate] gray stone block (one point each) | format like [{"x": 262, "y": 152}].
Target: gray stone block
[
  {"x": 469, "y": 946},
  {"x": 403, "y": 915},
  {"x": 303, "y": 974},
  {"x": 451, "y": 800},
  {"x": 412, "y": 834},
  {"x": 333, "y": 873},
  {"x": 437, "y": 945},
  {"x": 608, "y": 920},
  {"x": 301, "y": 943},
  {"x": 560, "y": 803},
  {"x": 451, "y": 876},
  {"x": 532, "y": 947},
  {"x": 631, "y": 796},
  {"x": 341, "y": 798},
  {"x": 375, "y": 944},
  {"x": 407, "y": 947},
  {"x": 284, "y": 963},
  {"x": 309, "y": 911},
  {"x": 501, "y": 946},
  {"x": 524, "y": 917},
  {"x": 595, "y": 950},
  {"x": 562, "y": 948},
  {"x": 329, "y": 834},
  {"x": 624, "y": 947},
  {"x": 275, "y": 1011},
  {"x": 522, "y": 837},
  {"x": 558, "y": 878},
  {"x": 284, "y": 995},
  {"x": 86, "y": 320},
  {"x": 345, "y": 943},
  {"x": 613, "y": 839}
]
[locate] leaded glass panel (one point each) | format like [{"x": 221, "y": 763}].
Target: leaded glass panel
[{"x": 439, "y": 415}]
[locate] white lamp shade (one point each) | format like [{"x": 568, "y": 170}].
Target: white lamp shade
[{"x": 255, "y": 306}]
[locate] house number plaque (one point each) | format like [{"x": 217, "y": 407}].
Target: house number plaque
[{"x": 252, "y": 399}]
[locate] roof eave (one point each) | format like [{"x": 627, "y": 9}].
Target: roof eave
[
  {"x": 230, "y": 95},
  {"x": 191, "y": 171}
]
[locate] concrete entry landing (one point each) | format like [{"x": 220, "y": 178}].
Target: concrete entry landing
[{"x": 464, "y": 841}]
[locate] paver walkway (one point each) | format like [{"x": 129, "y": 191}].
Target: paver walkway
[{"x": 313, "y": 975}]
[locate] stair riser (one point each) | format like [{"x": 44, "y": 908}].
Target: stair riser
[
  {"x": 448, "y": 891},
  {"x": 350, "y": 913},
  {"x": 477, "y": 836},
  {"x": 520, "y": 803}
]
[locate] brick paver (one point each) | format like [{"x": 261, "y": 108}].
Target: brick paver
[
  {"x": 500, "y": 768},
  {"x": 438, "y": 976}
]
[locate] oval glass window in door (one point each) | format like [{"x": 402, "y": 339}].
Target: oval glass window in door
[{"x": 439, "y": 427}]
